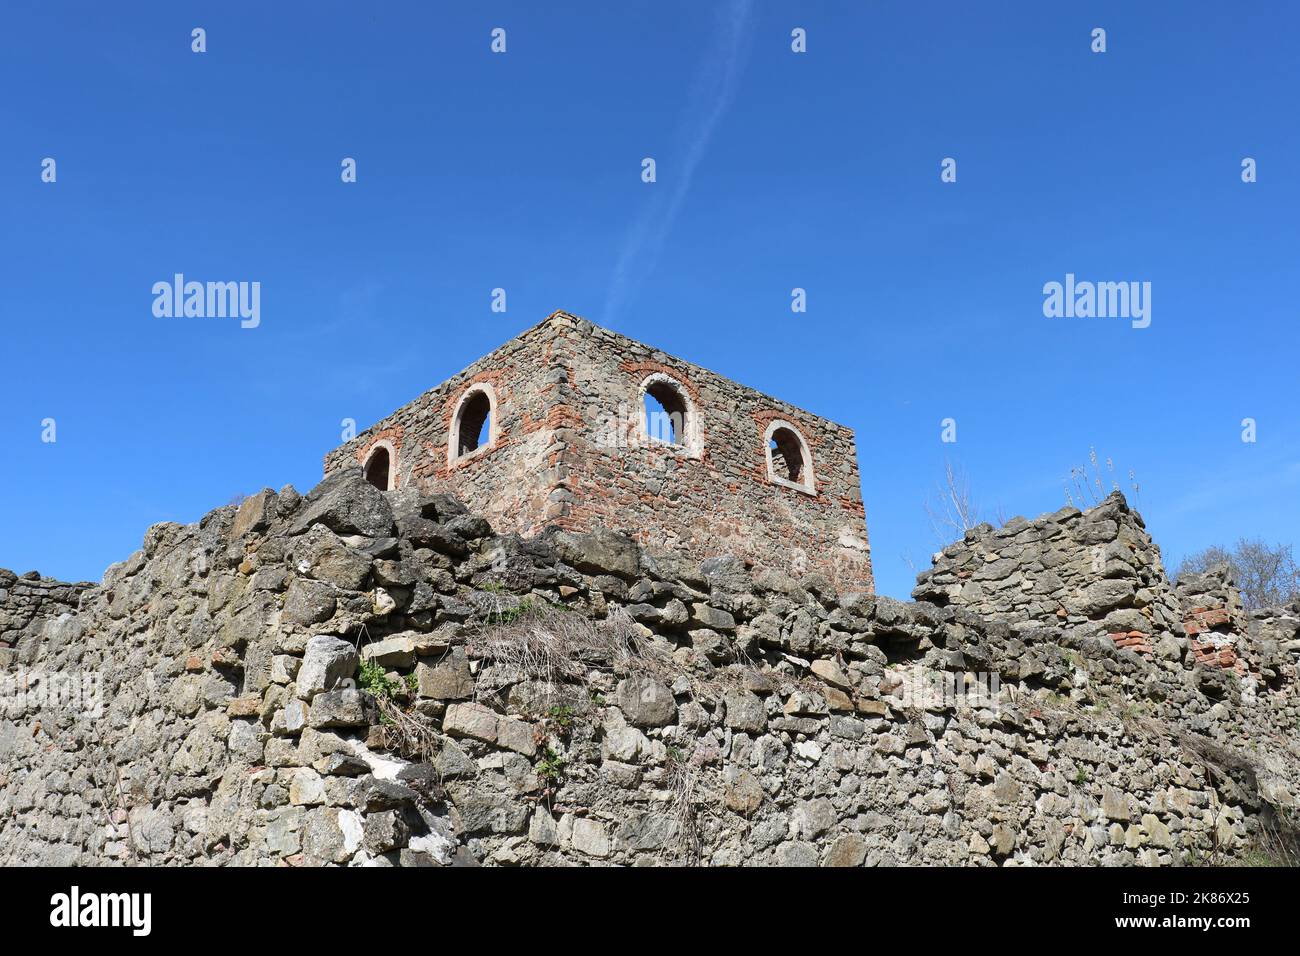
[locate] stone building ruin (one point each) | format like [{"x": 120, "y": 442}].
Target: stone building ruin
[
  {"x": 365, "y": 678},
  {"x": 578, "y": 427}
]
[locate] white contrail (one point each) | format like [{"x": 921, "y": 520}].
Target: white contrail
[{"x": 714, "y": 87}]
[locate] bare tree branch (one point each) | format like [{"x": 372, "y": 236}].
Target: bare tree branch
[{"x": 951, "y": 509}]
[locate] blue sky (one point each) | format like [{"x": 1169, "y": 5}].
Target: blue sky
[{"x": 775, "y": 170}]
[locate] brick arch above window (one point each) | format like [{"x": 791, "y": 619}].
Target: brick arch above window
[
  {"x": 389, "y": 439},
  {"x": 682, "y": 426},
  {"x": 642, "y": 370},
  {"x": 789, "y": 457},
  {"x": 475, "y": 409}
]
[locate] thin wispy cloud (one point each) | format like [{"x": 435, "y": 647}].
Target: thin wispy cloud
[
  {"x": 1273, "y": 479},
  {"x": 711, "y": 93}
]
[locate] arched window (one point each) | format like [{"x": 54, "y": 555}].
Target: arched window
[
  {"x": 473, "y": 426},
  {"x": 669, "y": 414},
  {"x": 789, "y": 461},
  {"x": 378, "y": 467},
  {"x": 665, "y": 414},
  {"x": 787, "y": 456}
]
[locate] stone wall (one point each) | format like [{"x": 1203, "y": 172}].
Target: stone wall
[
  {"x": 1272, "y": 636},
  {"x": 1213, "y": 619},
  {"x": 1094, "y": 572},
  {"x": 380, "y": 679},
  {"x": 28, "y": 604},
  {"x": 1098, "y": 572},
  {"x": 720, "y": 500},
  {"x": 569, "y": 451}
]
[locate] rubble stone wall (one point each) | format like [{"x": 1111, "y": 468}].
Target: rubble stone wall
[
  {"x": 716, "y": 496},
  {"x": 1214, "y": 620},
  {"x": 28, "y": 603},
  {"x": 1093, "y": 572},
  {"x": 365, "y": 678}
]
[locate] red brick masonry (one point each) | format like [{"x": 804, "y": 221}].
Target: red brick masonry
[{"x": 569, "y": 449}]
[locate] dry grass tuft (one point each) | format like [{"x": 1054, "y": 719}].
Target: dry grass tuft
[
  {"x": 683, "y": 779},
  {"x": 407, "y": 732},
  {"x": 549, "y": 644},
  {"x": 1278, "y": 843}
]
